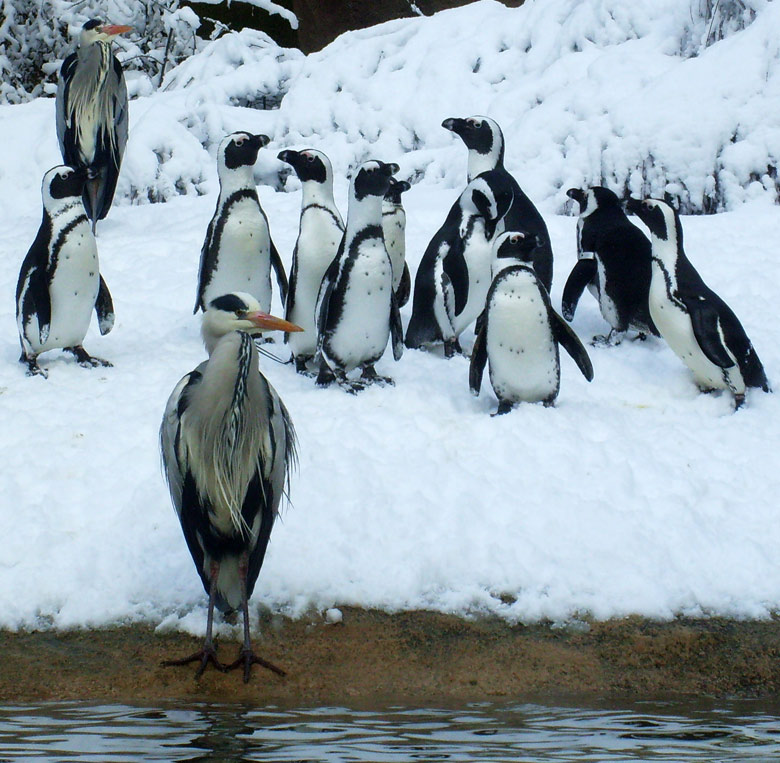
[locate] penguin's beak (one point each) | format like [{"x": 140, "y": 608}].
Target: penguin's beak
[
  {"x": 576, "y": 194},
  {"x": 390, "y": 168},
  {"x": 454, "y": 125},
  {"x": 260, "y": 140},
  {"x": 288, "y": 156},
  {"x": 633, "y": 206},
  {"x": 266, "y": 322}
]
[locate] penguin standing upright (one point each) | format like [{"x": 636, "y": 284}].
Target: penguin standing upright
[
  {"x": 357, "y": 310},
  {"x": 394, "y": 230},
  {"x": 485, "y": 142},
  {"x": 696, "y": 323},
  {"x": 59, "y": 282},
  {"x": 238, "y": 252},
  {"x": 454, "y": 274},
  {"x": 614, "y": 256},
  {"x": 319, "y": 235},
  {"x": 520, "y": 332}
]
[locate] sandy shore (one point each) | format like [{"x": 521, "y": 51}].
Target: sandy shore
[{"x": 411, "y": 657}]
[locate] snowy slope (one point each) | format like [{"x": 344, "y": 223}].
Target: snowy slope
[{"x": 635, "y": 494}]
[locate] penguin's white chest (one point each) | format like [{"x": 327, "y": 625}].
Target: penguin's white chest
[
  {"x": 674, "y": 325},
  {"x": 363, "y": 328},
  {"x": 73, "y": 289},
  {"x": 522, "y": 353},
  {"x": 318, "y": 243},
  {"x": 477, "y": 252},
  {"x": 243, "y": 261}
]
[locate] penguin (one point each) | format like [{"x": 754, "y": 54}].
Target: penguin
[
  {"x": 696, "y": 323},
  {"x": 357, "y": 310},
  {"x": 485, "y": 142},
  {"x": 238, "y": 252},
  {"x": 319, "y": 235},
  {"x": 520, "y": 332},
  {"x": 453, "y": 278},
  {"x": 614, "y": 259},
  {"x": 394, "y": 230},
  {"x": 59, "y": 281}
]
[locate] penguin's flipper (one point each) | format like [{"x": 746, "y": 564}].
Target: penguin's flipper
[
  {"x": 206, "y": 266},
  {"x": 565, "y": 336},
  {"x": 281, "y": 276},
  {"x": 38, "y": 292},
  {"x": 581, "y": 275},
  {"x": 396, "y": 328},
  {"x": 323, "y": 297},
  {"x": 290, "y": 302},
  {"x": 404, "y": 287},
  {"x": 738, "y": 342},
  {"x": 706, "y": 325},
  {"x": 104, "y": 308},
  {"x": 478, "y": 360}
]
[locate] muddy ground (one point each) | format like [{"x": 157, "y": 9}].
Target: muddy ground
[{"x": 410, "y": 657}]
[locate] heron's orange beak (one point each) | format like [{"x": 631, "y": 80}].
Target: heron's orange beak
[
  {"x": 268, "y": 322},
  {"x": 114, "y": 29}
]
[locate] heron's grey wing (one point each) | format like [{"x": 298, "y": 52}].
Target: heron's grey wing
[
  {"x": 174, "y": 458},
  {"x": 66, "y": 134},
  {"x": 104, "y": 308}
]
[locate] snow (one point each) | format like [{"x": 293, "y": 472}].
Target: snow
[{"x": 636, "y": 494}]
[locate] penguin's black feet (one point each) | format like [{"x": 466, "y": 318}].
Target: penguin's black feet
[
  {"x": 739, "y": 401},
  {"x": 206, "y": 655},
  {"x": 325, "y": 377},
  {"x": 85, "y": 359},
  {"x": 247, "y": 658},
  {"x": 613, "y": 339},
  {"x": 301, "y": 366},
  {"x": 504, "y": 406},
  {"x": 549, "y": 403},
  {"x": 370, "y": 376},
  {"x": 33, "y": 369},
  {"x": 640, "y": 337},
  {"x": 451, "y": 348}
]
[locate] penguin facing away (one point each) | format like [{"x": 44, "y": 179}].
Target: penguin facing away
[
  {"x": 485, "y": 142},
  {"x": 357, "y": 307},
  {"x": 319, "y": 235},
  {"x": 614, "y": 258},
  {"x": 454, "y": 274},
  {"x": 394, "y": 230},
  {"x": 238, "y": 252},
  {"x": 520, "y": 332},
  {"x": 59, "y": 281},
  {"x": 695, "y": 322}
]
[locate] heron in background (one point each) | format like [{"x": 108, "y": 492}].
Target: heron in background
[
  {"x": 228, "y": 446},
  {"x": 91, "y": 111}
]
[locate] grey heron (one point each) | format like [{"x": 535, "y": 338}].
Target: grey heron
[
  {"x": 228, "y": 445},
  {"x": 91, "y": 110}
]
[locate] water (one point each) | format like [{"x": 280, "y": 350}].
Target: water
[{"x": 644, "y": 731}]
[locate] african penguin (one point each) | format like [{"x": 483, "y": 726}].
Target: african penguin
[
  {"x": 357, "y": 308},
  {"x": 485, "y": 142},
  {"x": 59, "y": 282},
  {"x": 520, "y": 332},
  {"x": 319, "y": 235},
  {"x": 238, "y": 252},
  {"x": 696, "y": 323},
  {"x": 394, "y": 229},
  {"x": 614, "y": 257},
  {"x": 453, "y": 278}
]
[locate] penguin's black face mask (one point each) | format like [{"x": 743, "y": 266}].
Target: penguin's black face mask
[
  {"x": 374, "y": 180},
  {"x": 518, "y": 246},
  {"x": 397, "y": 187},
  {"x": 307, "y": 166},
  {"x": 579, "y": 196},
  {"x": 475, "y": 133},
  {"x": 650, "y": 215},
  {"x": 69, "y": 182},
  {"x": 243, "y": 149}
]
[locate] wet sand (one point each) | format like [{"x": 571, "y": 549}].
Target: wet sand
[{"x": 410, "y": 657}]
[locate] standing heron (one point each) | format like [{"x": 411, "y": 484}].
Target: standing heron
[
  {"x": 228, "y": 446},
  {"x": 92, "y": 114}
]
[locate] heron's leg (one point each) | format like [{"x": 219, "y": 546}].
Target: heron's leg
[
  {"x": 208, "y": 653},
  {"x": 246, "y": 656},
  {"x": 33, "y": 369},
  {"x": 85, "y": 359}
]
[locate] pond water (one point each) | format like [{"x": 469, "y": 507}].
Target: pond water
[{"x": 653, "y": 731}]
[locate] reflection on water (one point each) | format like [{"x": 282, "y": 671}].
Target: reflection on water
[{"x": 655, "y": 731}]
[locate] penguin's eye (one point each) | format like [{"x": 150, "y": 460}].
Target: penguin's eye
[
  {"x": 473, "y": 123},
  {"x": 240, "y": 141},
  {"x": 66, "y": 174},
  {"x": 515, "y": 239},
  {"x": 309, "y": 157}
]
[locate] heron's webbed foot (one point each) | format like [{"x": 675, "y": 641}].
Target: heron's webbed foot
[
  {"x": 85, "y": 359},
  {"x": 33, "y": 369},
  {"x": 370, "y": 376},
  {"x": 247, "y": 658},
  {"x": 206, "y": 655}
]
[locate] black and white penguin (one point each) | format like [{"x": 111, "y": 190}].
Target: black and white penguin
[
  {"x": 520, "y": 332},
  {"x": 357, "y": 310},
  {"x": 319, "y": 235},
  {"x": 59, "y": 282},
  {"x": 696, "y": 323},
  {"x": 614, "y": 258},
  {"x": 238, "y": 252},
  {"x": 394, "y": 229},
  {"x": 454, "y": 276},
  {"x": 485, "y": 142}
]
